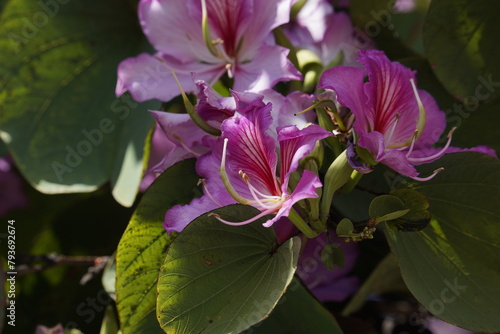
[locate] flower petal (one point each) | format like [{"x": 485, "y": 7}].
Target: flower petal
[
  {"x": 173, "y": 29},
  {"x": 306, "y": 188},
  {"x": 479, "y": 149},
  {"x": 295, "y": 144},
  {"x": 269, "y": 66},
  {"x": 266, "y": 15},
  {"x": 398, "y": 162},
  {"x": 390, "y": 97},
  {"x": 212, "y": 106},
  {"x": 348, "y": 83},
  {"x": 214, "y": 196},
  {"x": 184, "y": 134},
  {"x": 146, "y": 78},
  {"x": 250, "y": 149}
]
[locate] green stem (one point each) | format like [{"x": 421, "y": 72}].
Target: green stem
[
  {"x": 353, "y": 181},
  {"x": 297, "y": 220}
]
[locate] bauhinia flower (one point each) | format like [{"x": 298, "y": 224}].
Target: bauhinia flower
[
  {"x": 395, "y": 124},
  {"x": 243, "y": 166},
  {"x": 209, "y": 39}
]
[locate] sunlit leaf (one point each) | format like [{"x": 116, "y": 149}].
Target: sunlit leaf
[
  {"x": 452, "y": 265},
  {"x": 460, "y": 38},
  {"x": 143, "y": 246},
  {"x": 218, "y": 278},
  {"x": 58, "y": 113},
  {"x": 298, "y": 312}
]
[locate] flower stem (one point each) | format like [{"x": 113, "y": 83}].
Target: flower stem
[
  {"x": 353, "y": 181},
  {"x": 297, "y": 220}
]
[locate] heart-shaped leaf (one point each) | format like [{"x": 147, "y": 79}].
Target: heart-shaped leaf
[{"x": 218, "y": 278}]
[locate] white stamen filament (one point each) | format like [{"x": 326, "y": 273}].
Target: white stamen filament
[
  {"x": 422, "y": 179},
  {"x": 179, "y": 139},
  {"x": 421, "y": 111},
  {"x": 412, "y": 144},
  {"x": 207, "y": 192},
  {"x": 230, "y": 65},
  {"x": 438, "y": 154},
  {"x": 391, "y": 131},
  {"x": 260, "y": 215},
  {"x": 254, "y": 192},
  {"x": 225, "y": 178}
]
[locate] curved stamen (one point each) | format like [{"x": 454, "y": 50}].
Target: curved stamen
[
  {"x": 391, "y": 132},
  {"x": 207, "y": 192},
  {"x": 225, "y": 178},
  {"x": 428, "y": 177},
  {"x": 184, "y": 146},
  {"x": 255, "y": 192},
  {"x": 436, "y": 155},
  {"x": 260, "y": 215},
  {"x": 252, "y": 190},
  {"x": 421, "y": 110},
  {"x": 412, "y": 144},
  {"x": 206, "y": 30}
]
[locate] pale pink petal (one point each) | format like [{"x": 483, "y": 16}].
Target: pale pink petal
[
  {"x": 173, "y": 29},
  {"x": 269, "y": 67},
  {"x": 184, "y": 134},
  {"x": 435, "y": 121},
  {"x": 145, "y": 77},
  {"x": 267, "y": 15}
]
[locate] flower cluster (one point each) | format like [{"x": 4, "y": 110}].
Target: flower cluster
[{"x": 264, "y": 146}]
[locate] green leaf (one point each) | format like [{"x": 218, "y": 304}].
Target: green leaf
[
  {"x": 58, "y": 113},
  {"x": 332, "y": 256},
  {"x": 386, "y": 207},
  {"x": 384, "y": 278},
  {"x": 417, "y": 216},
  {"x": 218, "y": 278},
  {"x": 376, "y": 19},
  {"x": 474, "y": 130},
  {"x": 142, "y": 248},
  {"x": 460, "y": 38},
  {"x": 345, "y": 227},
  {"x": 298, "y": 312},
  {"x": 452, "y": 266}
]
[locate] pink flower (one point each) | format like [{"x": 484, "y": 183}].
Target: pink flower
[
  {"x": 396, "y": 124},
  {"x": 237, "y": 40},
  {"x": 242, "y": 166}
]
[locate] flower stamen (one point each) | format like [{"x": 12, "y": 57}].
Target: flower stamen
[
  {"x": 207, "y": 192},
  {"x": 436, "y": 155}
]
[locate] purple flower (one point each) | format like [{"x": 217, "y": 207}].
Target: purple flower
[
  {"x": 12, "y": 195},
  {"x": 396, "y": 124},
  {"x": 328, "y": 285},
  {"x": 242, "y": 166},
  {"x": 326, "y": 33},
  {"x": 237, "y": 40}
]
